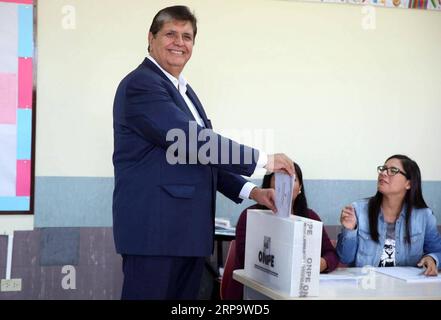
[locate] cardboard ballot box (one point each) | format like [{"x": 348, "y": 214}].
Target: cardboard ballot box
[{"x": 283, "y": 253}]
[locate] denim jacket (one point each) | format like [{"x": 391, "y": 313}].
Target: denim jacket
[{"x": 356, "y": 248}]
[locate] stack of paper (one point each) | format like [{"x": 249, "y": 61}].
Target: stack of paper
[
  {"x": 348, "y": 276},
  {"x": 223, "y": 224}
]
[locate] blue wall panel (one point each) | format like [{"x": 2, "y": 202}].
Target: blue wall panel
[{"x": 87, "y": 202}]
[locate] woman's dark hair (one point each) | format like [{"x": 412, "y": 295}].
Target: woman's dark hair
[
  {"x": 413, "y": 198},
  {"x": 300, "y": 205}
]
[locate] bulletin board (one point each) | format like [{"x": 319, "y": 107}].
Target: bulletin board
[{"x": 17, "y": 106}]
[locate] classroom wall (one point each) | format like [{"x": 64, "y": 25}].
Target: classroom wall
[
  {"x": 335, "y": 97},
  {"x": 332, "y": 92}
]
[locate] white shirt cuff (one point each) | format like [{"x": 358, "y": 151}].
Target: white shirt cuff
[
  {"x": 246, "y": 190},
  {"x": 262, "y": 161}
]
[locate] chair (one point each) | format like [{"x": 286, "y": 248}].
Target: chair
[{"x": 227, "y": 277}]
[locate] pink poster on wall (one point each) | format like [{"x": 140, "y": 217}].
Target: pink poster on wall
[{"x": 17, "y": 107}]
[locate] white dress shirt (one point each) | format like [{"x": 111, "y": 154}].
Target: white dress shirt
[{"x": 181, "y": 86}]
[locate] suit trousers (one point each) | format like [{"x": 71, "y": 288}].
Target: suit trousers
[{"x": 161, "y": 277}]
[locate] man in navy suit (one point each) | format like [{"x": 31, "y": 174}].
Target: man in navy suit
[{"x": 165, "y": 189}]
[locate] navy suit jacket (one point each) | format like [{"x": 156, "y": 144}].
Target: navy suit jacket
[{"x": 159, "y": 208}]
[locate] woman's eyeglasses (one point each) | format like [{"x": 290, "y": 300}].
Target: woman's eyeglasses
[{"x": 391, "y": 171}]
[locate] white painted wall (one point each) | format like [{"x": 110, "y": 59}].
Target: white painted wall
[
  {"x": 11, "y": 223},
  {"x": 339, "y": 98}
]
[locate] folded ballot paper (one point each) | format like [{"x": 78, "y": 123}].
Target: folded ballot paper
[{"x": 284, "y": 188}]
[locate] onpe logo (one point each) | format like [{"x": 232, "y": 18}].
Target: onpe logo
[{"x": 265, "y": 256}]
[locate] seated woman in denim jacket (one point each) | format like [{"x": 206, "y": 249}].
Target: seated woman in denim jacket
[
  {"x": 329, "y": 259},
  {"x": 393, "y": 228}
]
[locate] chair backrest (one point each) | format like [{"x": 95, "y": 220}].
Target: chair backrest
[{"x": 227, "y": 277}]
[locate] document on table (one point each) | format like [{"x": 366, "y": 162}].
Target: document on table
[
  {"x": 409, "y": 274},
  {"x": 284, "y": 188},
  {"x": 351, "y": 276}
]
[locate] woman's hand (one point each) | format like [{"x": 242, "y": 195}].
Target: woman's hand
[
  {"x": 348, "y": 218},
  {"x": 323, "y": 265},
  {"x": 429, "y": 263}
]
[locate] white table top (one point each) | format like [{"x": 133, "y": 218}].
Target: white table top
[{"x": 379, "y": 287}]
